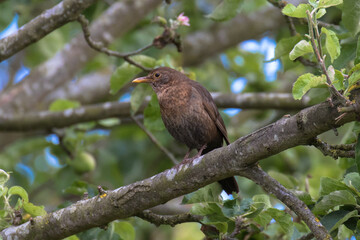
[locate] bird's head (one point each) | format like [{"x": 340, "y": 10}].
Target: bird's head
[{"x": 160, "y": 78}]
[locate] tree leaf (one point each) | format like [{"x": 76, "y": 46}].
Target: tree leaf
[
  {"x": 337, "y": 198},
  {"x": 351, "y": 16},
  {"x": 127, "y": 72},
  {"x": 329, "y": 185},
  {"x": 124, "y": 229},
  {"x": 353, "y": 180},
  {"x": 300, "y": 49},
  {"x": 63, "y": 104},
  {"x": 234, "y": 207},
  {"x": 138, "y": 96},
  {"x": 353, "y": 79},
  {"x": 334, "y": 219},
  {"x": 282, "y": 218},
  {"x": 285, "y": 45},
  {"x": 4, "y": 177},
  {"x": 34, "y": 210},
  {"x": 297, "y": 12},
  {"x": 17, "y": 190},
  {"x": 304, "y": 196},
  {"x": 329, "y": 3},
  {"x": 226, "y": 10},
  {"x": 332, "y": 44},
  {"x": 305, "y": 82},
  {"x": 152, "y": 116},
  {"x": 210, "y": 193}
]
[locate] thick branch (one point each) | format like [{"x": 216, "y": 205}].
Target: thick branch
[
  {"x": 233, "y": 159},
  {"x": 66, "y": 11},
  {"x": 171, "y": 220},
  {"x": 47, "y": 120}
]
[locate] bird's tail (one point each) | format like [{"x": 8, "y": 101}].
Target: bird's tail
[{"x": 229, "y": 185}]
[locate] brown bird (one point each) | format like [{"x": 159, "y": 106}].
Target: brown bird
[{"x": 189, "y": 114}]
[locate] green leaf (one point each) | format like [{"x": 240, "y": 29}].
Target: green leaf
[
  {"x": 263, "y": 219},
  {"x": 353, "y": 180},
  {"x": 209, "y": 193},
  {"x": 127, "y": 72},
  {"x": 301, "y": 48},
  {"x": 109, "y": 122},
  {"x": 3, "y": 191},
  {"x": 262, "y": 198},
  {"x": 283, "y": 179},
  {"x": 338, "y": 80},
  {"x": 305, "y": 82},
  {"x": 329, "y": 3},
  {"x": 77, "y": 188},
  {"x": 332, "y": 44},
  {"x": 125, "y": 230},
  {"x": 357, "y": 153},
  {"x": 351, "y": 16},
  {"x": 285, "y": 45},
  {"x": 349, "y": 215},
  {"x": 226, "y": 10},
  {"x": 353, "y": 79},
  {"x": 337, "y": 198},
  {"x": 234, "y": 207},
  {"x": 34, "y": 210},
  {"x": 138, "y": 96},
  {"x": 63, "y": 104},
  {"x": 329, "y": 185},
  {"x": 72, "y": 237},
  {"x": 152, "y": 116},
  {"x": 17, "y": 190},
  {"x": 320, "y": 13},
  {"x": 297, "y": 12},
  {"x": 304, "y": 196},
  {"x": 4, "y": 177},
  {"x": 334, "y": 219},
  {"x": 282, "y": 218}
]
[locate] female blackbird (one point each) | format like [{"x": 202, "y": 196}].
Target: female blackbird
[{"x": 189, "y": 114}]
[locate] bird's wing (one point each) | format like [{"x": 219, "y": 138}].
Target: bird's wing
[{"x": 211, "y": 109}]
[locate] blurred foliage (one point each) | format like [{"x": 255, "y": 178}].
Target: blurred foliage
[{"x": 56, "y": 170}]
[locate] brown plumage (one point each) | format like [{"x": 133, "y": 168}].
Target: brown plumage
[{"x": 189, "y": 114}]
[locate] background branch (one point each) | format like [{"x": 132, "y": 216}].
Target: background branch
[
  {"x": 48, "y": 120},
  {"x": 53, "y": 18}
]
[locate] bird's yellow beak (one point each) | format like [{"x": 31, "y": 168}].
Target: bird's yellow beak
[{"x": 145, "y": 79}]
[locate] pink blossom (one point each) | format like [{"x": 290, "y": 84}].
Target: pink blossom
[{"x": 183, "y": 20}]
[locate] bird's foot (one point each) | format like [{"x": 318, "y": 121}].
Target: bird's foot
[{"x": 188, "y": 159}]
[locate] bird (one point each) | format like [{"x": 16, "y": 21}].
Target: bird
[{"x": 189, "y": 114}]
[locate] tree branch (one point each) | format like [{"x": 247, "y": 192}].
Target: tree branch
[
  {"x": 63, "y": 67},
  {"x": 220, "y": 163},
  {"x": 99, "y": 46},
  {"x": 171, "y": 220},
  {"x": 53, "y": 18},
  {"x": 48, "y": 120},
  {"x": 334, "y": 151},
  {"x": 272, "y": 186}
]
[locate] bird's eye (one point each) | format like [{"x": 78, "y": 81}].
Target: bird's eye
[{"x": 157, "y": 75}]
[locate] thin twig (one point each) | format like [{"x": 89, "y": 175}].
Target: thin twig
[
  {"x": 99, "y": 46},
  {"x": 320, "y": 59},
  {"x": 334, "y": 151},
  {"x": 155, "y": 141},
  {"x": 293, "y": 32}
]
